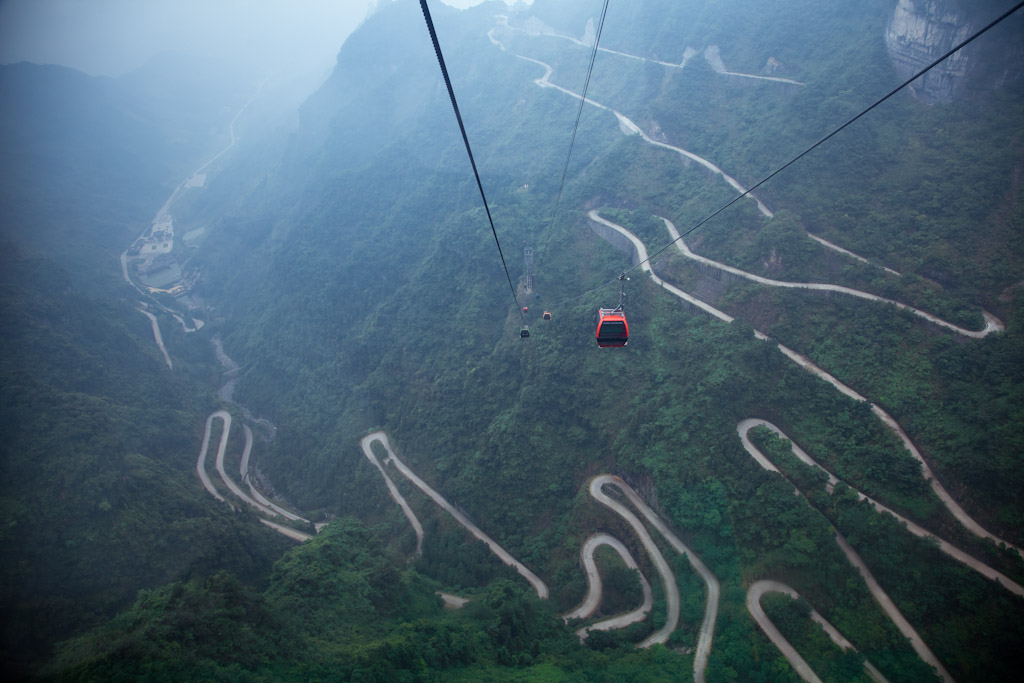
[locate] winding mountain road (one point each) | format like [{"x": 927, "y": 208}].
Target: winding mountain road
[
  {"x": 395, "y": 494},
  {"x": 880, "y": 596},
  {"x": 163, "y": 218},
  {"x": 598, "y": 484},
  {"x": 594, "y": 587},
  {"x": 668, "y": 582},
  {"x": 743, "y": 429},
  {"x": 262, "y": 504},
  {"x": 890, "y": 609},
  {"x": 228, "y": 481},
  {"x": 593, "y": 597},
  {"x": 367, "y": 445},
  {"x": 596, "y": 489},
  {"x": 629, "y": 127},
  {"x": 759, "y": 589},
  {"x": 846, "y": 252},
  {"x": 707, "y": 629},
  {"x": 711, "y": 54},
  {"x": 291, "y": 533},
  {"x": 158, "y": 337},
  {"x": 884, "y": 601},
  {"x": 201, "y": 461},
  {"x": 546, "y": 31},
  {"x": 992, "y": 323},
  {"x": 966, "y": 520}
]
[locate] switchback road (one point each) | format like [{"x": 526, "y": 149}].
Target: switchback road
[
  {"x": 594, "y": 587},
  {"x": 966, "y": 520},
  {"x": 367, "y": 445}
]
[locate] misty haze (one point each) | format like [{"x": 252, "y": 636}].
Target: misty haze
[{"x": 710, "y": 365}]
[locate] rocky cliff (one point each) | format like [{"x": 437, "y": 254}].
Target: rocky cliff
[{"x": 920, "y": 31}]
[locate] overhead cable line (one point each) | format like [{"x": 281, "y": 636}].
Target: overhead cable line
[
  {"x": 579, "y": 113},
  {"x": 817, "y": 144},
  {"x": 469, "y": 151}
]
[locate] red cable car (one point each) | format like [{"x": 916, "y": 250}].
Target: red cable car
[
  {"x": 612, "y": 328},
  {"x": 547, "y": 315}
]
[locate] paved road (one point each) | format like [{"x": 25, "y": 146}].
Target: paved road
[
  {"x": 243, "y": 471},
  {"x": 262, "y": 505},
  {"x": 228, "y": 481},
  {"x": 754, "y": 594},
  {"x": 835, "y": 247},
  {"x": 890, "y": 609},
  {"x": 164, "y": 220},
  {"x": 291, "y": 533},
  {"x": 668, "y": 578},
  {"x": 757, "y": 590},
  {"x": 629, "y": 127},
  {"x": 992, "y": 323},
  {"x": 382, "y": 438},
  {"x": 707, "y": 629},
  {"x": 938, "y": 488},
  {"x": 880, "y": 596},
  {"x": 713, "y": 58},
  {"x": 201, "y": 462},
  {"x": 594, "y": 588},
  {"x": 395, "y": 494},
  {"x": 743, "y": 429},
  {"x": 806, "y": 363},
  {"x": 158, "y": 337}
]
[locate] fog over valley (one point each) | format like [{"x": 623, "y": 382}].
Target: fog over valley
[{"x": 569, "y": 340}]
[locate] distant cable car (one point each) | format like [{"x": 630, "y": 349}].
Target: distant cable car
[
  {"x": 525, "y": 332},
  {"x": 547, "y": 315},
  {"x": 526, "y": 309},
  {"x": 612, "y": 329}
]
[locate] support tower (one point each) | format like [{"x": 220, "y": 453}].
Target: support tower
[{"x": 528, "y": 258}]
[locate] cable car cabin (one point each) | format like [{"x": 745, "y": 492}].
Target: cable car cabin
[
  {"x": 547, "y": 315},
  {"x": 612, "y": 329},
  {"x": 525, "y": 331}
]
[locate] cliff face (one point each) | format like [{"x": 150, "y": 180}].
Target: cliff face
[{"x": 920, "y": 31}]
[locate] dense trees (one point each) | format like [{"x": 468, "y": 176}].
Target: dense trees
[
  {"x": 355, "y": 281},
  {"x": 98, "y": 438},
  {"x": 334, "y": 607}
]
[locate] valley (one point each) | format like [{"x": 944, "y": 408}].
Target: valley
[
  {"x": 639, "y": 255},
  {"x": 803, "y": 466},
  {"x": 666, "y": 574}
]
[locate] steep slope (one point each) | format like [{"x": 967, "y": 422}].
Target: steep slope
[
  {"x": 357, "y": 284},
  {"x": 372, "y": 296},
  {"x": 97, "y": 443},
  {"x": 327, "y": 275}
]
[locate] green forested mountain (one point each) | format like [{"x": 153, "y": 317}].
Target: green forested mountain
[
  {"x": 99, "y": 492},
  {"x": 348, "y": 268},
  {"x": 85, "y": 161}
]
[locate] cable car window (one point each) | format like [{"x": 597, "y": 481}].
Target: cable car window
[{"x": 613, "y": 330}]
